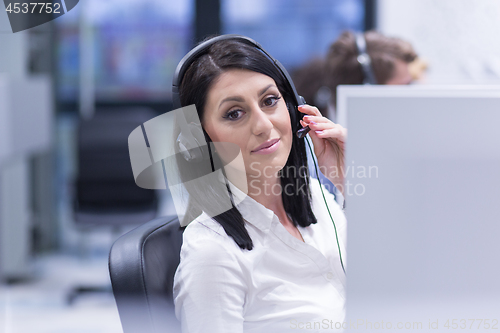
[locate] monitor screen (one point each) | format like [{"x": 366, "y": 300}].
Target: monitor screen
[
  {"x": 292, "y": 31},
  {"x": 136, "y": 46}
]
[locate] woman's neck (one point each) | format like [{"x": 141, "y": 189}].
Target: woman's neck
[
  {"x": 267, "y": 191},
  {"x": 264, "y": 190}
]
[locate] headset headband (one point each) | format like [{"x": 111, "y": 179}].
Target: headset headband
[
  {"x": 200, "y": 49},
  {"x": 364, "y": 60}
]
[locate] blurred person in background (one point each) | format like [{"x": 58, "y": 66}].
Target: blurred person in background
[{"x": 393, "y": 62}]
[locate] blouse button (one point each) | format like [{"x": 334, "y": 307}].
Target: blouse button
[{"x": 329, "y": 276}]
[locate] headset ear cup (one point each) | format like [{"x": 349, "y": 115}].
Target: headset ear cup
[{"x": 193, "y": 148}]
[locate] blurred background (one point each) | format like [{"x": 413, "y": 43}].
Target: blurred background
[{"x": 72, "y": 90}]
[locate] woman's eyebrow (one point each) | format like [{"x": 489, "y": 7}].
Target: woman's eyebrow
[
  {"x": 239, "y": 99},
  {"x": 262, "y": 92},
  {"x": 231, "y": 99}
]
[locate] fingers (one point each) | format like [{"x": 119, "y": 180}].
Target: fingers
[
  {"x": 325, "y": 125},
  {"x": 321, "y": 126},
  {"x": 335, "y": 133},
  {"x": 327, "y": 131},
  {"x": 316, "y": 126},
  {"x": 316, "y": 119},
  {"x": 309, "y": 110}
]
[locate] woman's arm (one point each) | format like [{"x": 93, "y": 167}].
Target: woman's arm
[{"x": 209, "y": 288}]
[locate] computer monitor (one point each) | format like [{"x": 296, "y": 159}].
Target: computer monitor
[{"x": 423, "y": 207}]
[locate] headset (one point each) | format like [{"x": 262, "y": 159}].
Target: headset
[
  {"x": 364, "y": 60},
  {"x": 191, "y": 137}
]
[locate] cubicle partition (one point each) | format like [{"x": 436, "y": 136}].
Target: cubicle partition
[
  {"x": 26, "y": 122},
  {"x": 422, "y": 193}
]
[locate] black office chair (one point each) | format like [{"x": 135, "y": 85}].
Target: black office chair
[
  {"x": 105, "y": 190},
  {"x": 142, "y": 264}
]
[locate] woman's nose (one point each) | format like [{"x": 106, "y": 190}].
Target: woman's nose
[{"x": 261, "y": 123}]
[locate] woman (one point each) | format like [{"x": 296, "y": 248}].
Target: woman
[{"x": 271, "y": 263}]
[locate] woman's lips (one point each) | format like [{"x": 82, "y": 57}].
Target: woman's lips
[{"x": 274, "y": 144}]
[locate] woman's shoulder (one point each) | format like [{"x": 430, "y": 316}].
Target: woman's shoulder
[
  {"x": 204, "y": 226},
  {"x": 320, "y": 194}
]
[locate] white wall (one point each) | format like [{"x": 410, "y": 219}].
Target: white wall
[
  {"x": 13, "y": 48},
  {"x": 459, "y": 38}
]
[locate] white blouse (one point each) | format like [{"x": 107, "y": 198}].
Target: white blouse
[{"x": 281, "y": 285}]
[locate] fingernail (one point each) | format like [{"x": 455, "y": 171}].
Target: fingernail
[
  {"x": 314, "y": 123},
  {"x": 319, "y": 132}
]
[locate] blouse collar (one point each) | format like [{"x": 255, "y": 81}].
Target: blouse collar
[{"x": 252, "y": 211}]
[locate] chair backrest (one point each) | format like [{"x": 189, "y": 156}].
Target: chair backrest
[
  {"x": 142, "y": 264},
  {"x": 105, "y": 181}
]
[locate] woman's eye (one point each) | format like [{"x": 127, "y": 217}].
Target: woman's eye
[
  {"x": 271, "y": 101},
  {"x": 233, "y": 115}
]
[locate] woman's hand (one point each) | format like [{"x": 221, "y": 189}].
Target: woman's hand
[{"x": 329, "y": 142}]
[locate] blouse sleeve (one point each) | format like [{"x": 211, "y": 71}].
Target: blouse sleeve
[{"x": 209, "y": 288}]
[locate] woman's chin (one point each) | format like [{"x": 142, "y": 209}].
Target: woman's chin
[
  {"x": 258, "y": 169},
  {"x": 267, "y": 165}
]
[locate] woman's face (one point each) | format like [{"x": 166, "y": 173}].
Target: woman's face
[
  {"x": 247, "y": 109},
  {"x": 401, "y": 74}
]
